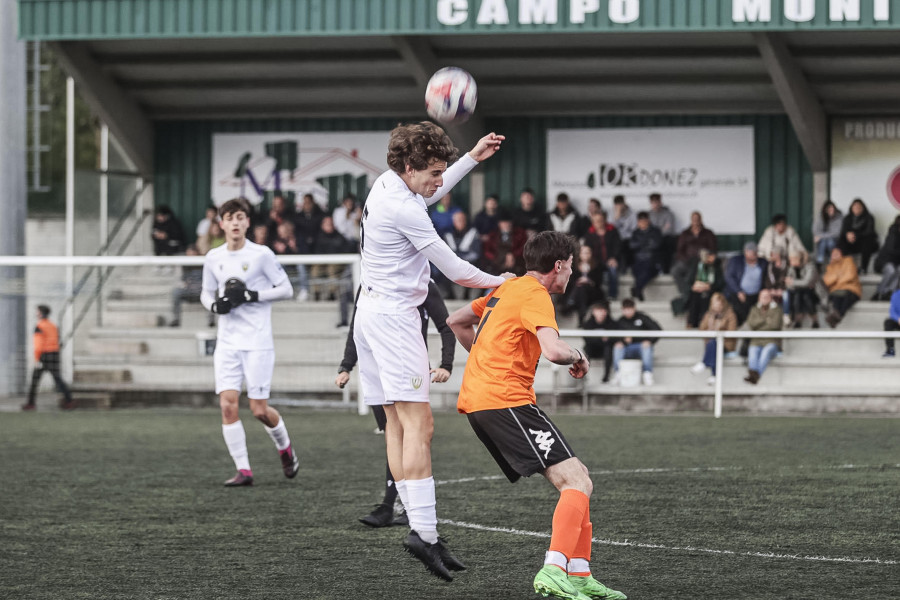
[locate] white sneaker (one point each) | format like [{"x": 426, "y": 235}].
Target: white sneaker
[
  {"x": 303, "y": 296},
  {"x": 698, "y": 368},
  {"x": 614, "y": 381},
  {"x": 647, "y": 378},
  {"x": 711, "y": 380}
]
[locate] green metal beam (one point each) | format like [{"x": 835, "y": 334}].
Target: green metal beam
[{"x": 140, "y": 19}]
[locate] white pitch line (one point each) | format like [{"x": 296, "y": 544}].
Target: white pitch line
[{"x": 630, "y": 544}]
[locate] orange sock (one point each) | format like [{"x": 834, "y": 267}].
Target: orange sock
[
  {"x": 567, "y": 522},
  {"x": 581, "y": 558}
]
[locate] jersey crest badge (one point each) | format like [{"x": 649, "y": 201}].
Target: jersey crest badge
[
  {"x": 543, "y": 440},
  {"x": 416, "y": 382},
  {"x": 245, "y": 266}
]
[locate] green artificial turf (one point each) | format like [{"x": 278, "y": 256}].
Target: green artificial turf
[{"x": 130, "y": 504}]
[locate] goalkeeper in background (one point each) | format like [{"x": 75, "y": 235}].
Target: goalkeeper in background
[{"x": 240, "y": 281}]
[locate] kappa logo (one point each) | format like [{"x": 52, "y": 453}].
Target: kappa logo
[
  {"x": 416, "y": 382},
  {"x": 543, "y": 440}
]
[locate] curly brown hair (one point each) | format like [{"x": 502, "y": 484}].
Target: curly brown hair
[{"x": 417, "y": 145}]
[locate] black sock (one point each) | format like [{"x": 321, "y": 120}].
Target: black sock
[{"x": 390, "y": 490}]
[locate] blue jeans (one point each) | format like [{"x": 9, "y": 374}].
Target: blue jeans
[
  {"x": 612, "y": 281},
  {"x": 758, "y": 357},
  {"x": 709, "y": 355},
  {"x": 824, "y": 248},
  {"x": 634, "y": 350}
]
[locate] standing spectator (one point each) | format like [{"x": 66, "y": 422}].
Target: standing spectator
[
  {"x": 189, "y": 289},
  {"x": 888, "y": 263},
  {"x": 466, "y": 244},
  {"x": 719, "y": 317},
  {"x": 346, "y": 218},
  {"x": 168, "y": 236},
  {"x": 442, "y": 214},
  {"x": 625, "y": 222},
  {"x": 488, "y": 218},
  {"x": 858, "y": 234},
  {"x": 708, "y": 280},
  {"x": 600, "y": 347},
  {"x": 844, "y": 289},
  {"x": 743, "y": 280},
  {"x": 212, "y": 214},
  {"x": 645, "y": 244},
  {"x": 308, "y": 222},
  {"x": 606, "y": 245},
  {"x": 773, "y": 280},
  {"x": 286, "y": 243},
  {"x": 779, "y": 235},
  {"x": 635, "y": 347},
  {"x": 766, "y": 315},
  {"x": 586, "y": 285},
  {"x": 663, "y": 219},
  {"x": 801, "y": 281},
  {"x": 327, "y": 278},
  {"x": 827, "y": 231},
  {"x": 504, "y": 249},
  {"x": 278, "y": 214},
  {"x": 565, "y": 219},
  {"x": 892, "y": 323},
  {"x": 687, "y": 250},
  {"x": 529, "y": 216},
  {"x": 46, "y": 358}
]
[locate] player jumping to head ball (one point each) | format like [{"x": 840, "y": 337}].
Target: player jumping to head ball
[
  {"x": 240, "y": 281},
  {"x": 397, "y": 240},
  {"x": 516, "y": 323}
]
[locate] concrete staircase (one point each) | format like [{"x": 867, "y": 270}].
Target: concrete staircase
[{"x": 131, "y": 359}]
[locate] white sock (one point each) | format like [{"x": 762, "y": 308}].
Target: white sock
[
  {"x": 279, "y": 435},
  {"x": 556, "y": 558},
  {"x": 236, "y": 440},
  {"x": 579, "y": 565},
  {"x": 402, "y": 493},
  {"x": 421, "y": 508}
]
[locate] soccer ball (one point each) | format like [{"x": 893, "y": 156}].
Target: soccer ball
[{"x": 451, "y": 95}]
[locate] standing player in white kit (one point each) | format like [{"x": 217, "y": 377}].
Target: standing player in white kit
[
  {"x": 397, "y": 240},
  {"x": 240, "y": 281}
]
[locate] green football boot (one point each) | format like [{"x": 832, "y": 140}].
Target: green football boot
[
  {"x": 592, "y": 588},
  {"x": 553, "y": 581}
]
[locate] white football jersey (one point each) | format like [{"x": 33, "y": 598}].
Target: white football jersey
[
  {"x": 249, "y": 326},
  {"x": 395, "y": 227}
]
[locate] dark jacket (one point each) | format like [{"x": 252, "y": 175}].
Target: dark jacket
[
  {"x": 639, "y": 322},
  {"x": 890, "y": 250},
  {"x": 711, "y": 274},
  {"x": 607, "y": 246},
  {"x": 534, "y": 219},
  {"x": 595, "y": 347},
  {"x": 332, "y": 243},
  {"x": 308, "y": 225},
  {"x": 572, "y": 223},
  {"x": 689, "y": 245},
  {"x": 734, "y": 272},
  {"x": 645, "y": 244},
  {"x": 485, "y": 223}
]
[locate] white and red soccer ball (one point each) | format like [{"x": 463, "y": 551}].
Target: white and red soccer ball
[{"x": 451, "y": 95}]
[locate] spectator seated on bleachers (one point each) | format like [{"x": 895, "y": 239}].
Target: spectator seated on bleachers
[
  {"x": 596, "y": 348},
  {"x": 214, "y": 238},
  {"x": 347, "y": 217},
  {"x": 466, "y": 244},
  {"x": 505, "y": 248},
  {"x": 260, "y": 234},
  {"x": 858, "y": 234},
  {"x": 203, "y": 225},
  {"x": 743, "y": 279},
  {"x": 606, "y": 245},
  {"x": 646, "y": 245},
  {"x": 286, "y": 243},
  {"x": 528, "y": 216},
  {"x": 308, "y": 222},
  {"x": 442, "y": 215},
  {"x": 637, "y": 346},
  {"x": 625, "y": 221},
  {"x": 766, "y": 315},
  {"x": 328, "y": 281},
  {"x": 844, "y": 289},
  {"x": 719, "y": 317},
  {"x": 888, "y": 263},
  {"x": 167, "y": 234},
  {"x": 280, "y": 212},
  {"x": 585, "y": 285},
  {"x": 663, "y": 219},
  {"x": 565, "y": 219},
  {"x": 773, "y": 280},
  {"x": 593, "y": 208},
  {"x": 488, "y": 218},
  {"x": 708, "y": 279},
  {"x": 189, "y": 289},
  {"x": 800, "y": 281},
  {"x": 687, "y": 250},
  {"x": 827, "y": 231},
  {"x": 892, "y": 323},
  {"x": 779, "y": 235}
]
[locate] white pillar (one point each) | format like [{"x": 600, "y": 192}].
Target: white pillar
[
  {"x": 67, "y": 357},
  {"x": 104, "y": 214}
]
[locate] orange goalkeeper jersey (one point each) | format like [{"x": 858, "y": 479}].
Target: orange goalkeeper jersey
[{"x": 501, "y": 365}]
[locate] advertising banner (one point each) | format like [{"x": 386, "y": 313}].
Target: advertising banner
[
  {"x": 708, "y": 169},
  {"x": 865, "y": 164},
  {"x": 327, "y": 165}
]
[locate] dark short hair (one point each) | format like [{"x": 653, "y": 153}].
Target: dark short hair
[
  {"x": 620, "y": 199},
  {"x": 163, "y": 209},
  {"x": 643, "y": 215},
  {"x": 417, "y": 145},
  {"x": 235, "y": 205},
  {"x": 655, "y": 196},
  {"x": 779, "y": 218},
  {"x": 527, "y": 190},
  {"x": 628, "y": 303},
  {"x": 44, "y": 310},
  {"x": 563, "y": 197},
  {"x": 544, "y": 249}
]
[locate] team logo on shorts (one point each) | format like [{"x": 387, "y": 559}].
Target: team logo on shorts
[
  {"x": 416, "y": 382},
  {"x": 245, "y": 266},
  {"x": 543, "y": 440}
]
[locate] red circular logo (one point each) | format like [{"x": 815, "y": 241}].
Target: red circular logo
[{"x": 893, "y": 188}]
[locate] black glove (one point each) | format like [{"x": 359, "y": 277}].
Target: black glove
[
  {"x": 236, "y": 291},
  {"x": 222, "y": 306}
]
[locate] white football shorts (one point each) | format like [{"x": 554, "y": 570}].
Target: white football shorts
[
  {"x": 234, "y": 367},
  {"x": 393, "y": 359}
]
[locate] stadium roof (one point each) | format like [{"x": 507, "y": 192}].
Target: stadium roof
[{"x": 138, "y": 61}]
